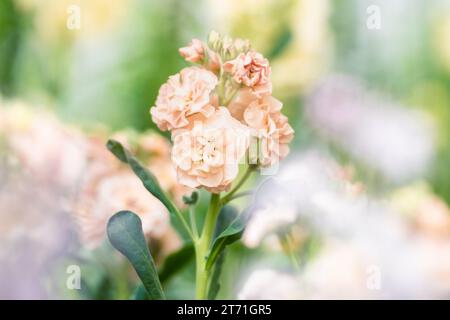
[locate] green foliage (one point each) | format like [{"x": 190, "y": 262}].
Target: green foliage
[
  {"x": 176, "y": 261},
  {"x": 215, "y": 285},
  {"x": 232, "y": 233},
  {"x": 148, "y": 179},
  {"x": 9, "y": 42},
  {"x": 126, "y": 235},
  {"x": 139, "y": 293}
]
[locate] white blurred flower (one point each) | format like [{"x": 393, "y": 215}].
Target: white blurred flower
[
  {"x": 398, "y": 142},
  {"x": 304, "y": 183},
  {"x": 339, "y": 271},
  {"x": 434, "y": 261},
  {"x": 267, "y": 284},
  {"x": 267, "y": 221},
  {"x": 359, "y": 232},
  {"x": 44, "y": 162}
]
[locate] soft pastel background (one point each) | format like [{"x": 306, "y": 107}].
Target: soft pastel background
[{"x": 368, "y": 180}]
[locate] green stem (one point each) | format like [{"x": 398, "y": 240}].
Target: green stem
[
  {"x": 230, "y": 194},
  {"x": 193, "y": 222},
  {"x": 221, "y": 87},
  {"x": 238, "y": 195},
  {"x": 174, "y": 210},
  {"x": 202, "y": 246},
  {"x": 230, "y": 96}
]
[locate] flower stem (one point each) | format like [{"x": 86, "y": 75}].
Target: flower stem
[
  {"x": 239, "y": 195},
  {"x": 202, "y": 246},
  {"x": 184, "y": 223},
  {"x": 244, "y": 178},
  {"x": 193, "y": 222}
]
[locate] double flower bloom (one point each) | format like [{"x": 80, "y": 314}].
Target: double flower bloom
[{"x": 220, "y": 113}]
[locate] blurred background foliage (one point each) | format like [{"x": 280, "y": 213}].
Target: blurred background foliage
[{"x": 108, "y": 72}]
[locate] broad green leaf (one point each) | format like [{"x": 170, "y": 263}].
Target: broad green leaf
[
  {"x": 231, "y": 234},
  {"x": 139, "y": 293},
  {"x": 147, "y": 178},
  {"x": 176, "y": 261},
  {"x": 126, "y": 235}
]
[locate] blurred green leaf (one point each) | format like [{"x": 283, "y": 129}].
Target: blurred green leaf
[
  {"x": 176, "y": 261},
  {"x": 126, "y": 235},
  {"x": 10, "y": 36},
  {"x": 280, "y": 44},
  {"x": 230, "y": 234}
]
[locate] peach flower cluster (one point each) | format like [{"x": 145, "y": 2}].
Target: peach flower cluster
[
  {"x": 208, "y": 155},
  {"x": 185, "y": 94},
  {"x": 217, "y": 109}
]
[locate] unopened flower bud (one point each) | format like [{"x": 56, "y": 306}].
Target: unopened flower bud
[
  {"x": 214, "y": 40},
  {"x": 241, "y": 45}
]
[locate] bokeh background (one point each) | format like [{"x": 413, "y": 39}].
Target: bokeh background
[{"x": 360, "y": 209}]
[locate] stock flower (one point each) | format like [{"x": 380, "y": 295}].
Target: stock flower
[
  {"x": 208, "y": 155},
  {"x": 183, "y": 95},
  {"x": 194, "y": 52},
  {"x": 237, "y": 107},
  {"x": 274, "y": 142},
  {"x": 268, "y": 125},
  {"x": 213, "y": 61},
  {"x": 252, "y": 70}
]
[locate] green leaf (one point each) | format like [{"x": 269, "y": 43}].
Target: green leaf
[
  {"x": 280, "y": 44},
  {"x": 148, "y": 179},
  {"x": 139, "y": 293},
  {"x": 126, "y": 235},
  {"x": 176, "y": 261},
  {"x": 214, "y": 285},
  {"x": 231, "y": 234},
  {"x": 226, "y": 216}
]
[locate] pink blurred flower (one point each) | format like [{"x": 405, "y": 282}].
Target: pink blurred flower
[
  {"x": 107, "y": 186},
  {"x": 116, "y": 192}
]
